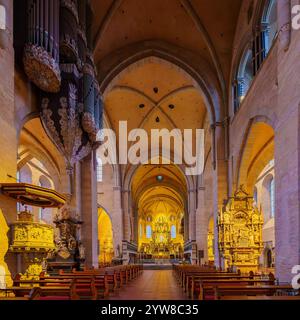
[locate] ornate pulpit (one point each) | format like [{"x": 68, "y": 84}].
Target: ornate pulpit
[
  {"x": 34, "y": 240},
  {"x": 240, "y": 232}
]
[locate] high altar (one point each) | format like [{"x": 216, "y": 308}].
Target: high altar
[
  {"x": 240, "y": 232},
  {"x": 162, "y": 245}
]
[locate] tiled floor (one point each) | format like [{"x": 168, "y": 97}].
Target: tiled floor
[{"x": 152, "y": 285}]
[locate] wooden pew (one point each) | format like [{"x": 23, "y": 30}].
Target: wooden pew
[
  {"x": 264, "y": 290},
  {"x": 53, "y": 293},
  {"x": 206, "y": 288},
  {"x": 89, "y": 284},
  {"x": 275, "y": 298}
]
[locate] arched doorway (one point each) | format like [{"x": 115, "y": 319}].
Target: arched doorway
[{"x": 105, "y": 236}]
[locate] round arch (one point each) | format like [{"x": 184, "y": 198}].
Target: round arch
[{"x": 105, "y": 237}]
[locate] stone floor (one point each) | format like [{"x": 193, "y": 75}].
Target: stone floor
[{"x": 152, "y": 285}]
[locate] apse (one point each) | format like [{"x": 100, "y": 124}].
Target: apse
[{"x": 159, "y": 193}]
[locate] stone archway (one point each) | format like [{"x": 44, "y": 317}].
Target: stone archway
[{"x": 105, "y": 237}]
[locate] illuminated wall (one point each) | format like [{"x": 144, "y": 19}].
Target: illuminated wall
[{"x": 105, "y": 236}]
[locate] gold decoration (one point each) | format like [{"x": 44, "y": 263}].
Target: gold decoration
[
  {"x": 210, "y": 245},
  {"x": 210, "y": 242},
  {"x": 26, "y": 193},
  {"x": 240, "y": 232},
  {"x": 34, "y": 240},
  {"x": 106, "y": 252},
  {"x": 5, "y": 277},
  {"x": 161, "y": 244}
]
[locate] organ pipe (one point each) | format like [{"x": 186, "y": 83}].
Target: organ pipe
[{"x": 41, "y": 50}]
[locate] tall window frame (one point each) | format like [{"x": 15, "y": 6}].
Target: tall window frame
[
  {"x": 244, "y": 77},
  {"x": 99, "y": 170},
  {"x": 269, "y": 24},
  {"x": 173, "y": 232},
  {"x": 148, "y": 232},
  {"x": 272, "y": 197}
]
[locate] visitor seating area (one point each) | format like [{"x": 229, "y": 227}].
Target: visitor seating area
[
  {"x": 209, "y": 283},
  {"x": 90, "y": 284}
]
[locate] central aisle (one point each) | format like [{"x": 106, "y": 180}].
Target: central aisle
[{"x": 152, "y": 285}]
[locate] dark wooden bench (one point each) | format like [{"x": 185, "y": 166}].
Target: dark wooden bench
[
  {"x": 206, "y": 288},
  {"x": 264, "y": 290}
]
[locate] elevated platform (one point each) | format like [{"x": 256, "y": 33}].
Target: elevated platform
[
  {"x": 154, "y": 266},
  {"x": 158, "y": 264}
]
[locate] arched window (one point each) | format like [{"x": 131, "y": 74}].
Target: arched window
[
  {"x": 44, "y": 182},
  {"x": 255, "y": 195},
  {"x": 148, "y": 232},
  {"x": 243, "y": 78},
  {"x": 25, "y": 174},
  {"x": 99, "y": 170},
  {"x": 141, "y": 230},
  {"x": 269, "y": 25},
  {"x": 173, "y": 232},
  {"x": 265, "y": 34},
  {"x": 272, "y": 197},
  {"x": 2, "y": 18}
]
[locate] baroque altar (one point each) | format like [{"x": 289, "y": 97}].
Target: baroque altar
[{"x": 240, "y": 232}]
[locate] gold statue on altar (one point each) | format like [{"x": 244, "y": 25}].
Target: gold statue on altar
[
  {"x": 240, "y": 232},
  {"x": 164, "y": 241}
]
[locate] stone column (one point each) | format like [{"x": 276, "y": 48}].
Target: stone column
[
  {"x": 287, "y": 170},
  {"x": 126, "y": 215},
  {"x": 89, "y": 209},
  {"x": 117, "y": 219},
  {"x": 220, "y": 176},
  {"x": 192, "y": 214},
  {"x": 8, "y": 132},
  {"x": 201, "y": 224}
]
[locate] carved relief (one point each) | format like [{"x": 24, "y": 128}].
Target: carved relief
[
  {"x": 66, "y": 236},
  {"x": 240, "y": 232},
  {"x": 5, "y": 278},
  {"x": 34, "y": 240}
]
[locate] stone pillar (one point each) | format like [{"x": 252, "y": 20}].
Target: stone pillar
[
  {"x": 135, "y": 225},
  {"x": 186, "y": 224},
  {"x": 8, "y": 132},
  {"x": 117, "y": 219},
  {"x": 220, "y": 175},
  {"x": 126, "y": 215},
  {"x": 192, "y": 214},
  {"x": 201, "y": 224},
  {"x": 89, "y": 209},
  {"x": 287, "y": 142}
]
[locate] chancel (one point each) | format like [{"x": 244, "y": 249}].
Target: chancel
[{"x": 91, "y": 208}]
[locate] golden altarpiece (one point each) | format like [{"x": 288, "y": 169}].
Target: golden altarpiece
[{"x": 240, "y": 232}]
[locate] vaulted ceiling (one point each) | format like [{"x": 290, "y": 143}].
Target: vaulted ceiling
[
  {"x": 153, "y": 92},
  {"x": 204, "y": 27}
]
